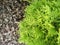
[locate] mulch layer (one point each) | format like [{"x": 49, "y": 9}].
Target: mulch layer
[{"x": 11, "y": 12}]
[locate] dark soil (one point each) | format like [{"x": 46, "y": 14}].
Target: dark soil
[{"x": 11, "y": 12}]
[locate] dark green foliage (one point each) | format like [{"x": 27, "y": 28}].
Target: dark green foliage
[{"x": 41, "y": 25}]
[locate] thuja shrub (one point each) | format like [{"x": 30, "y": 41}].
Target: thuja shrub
[{"x": 41, "y": 25}]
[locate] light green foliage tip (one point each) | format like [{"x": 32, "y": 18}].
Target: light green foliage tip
[{"x": 41, "y": 25}]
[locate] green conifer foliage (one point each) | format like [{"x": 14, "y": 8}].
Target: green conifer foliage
[{"x": 41, "y": 25}]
